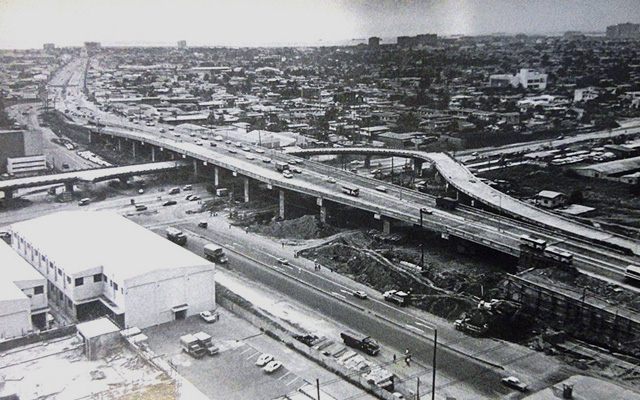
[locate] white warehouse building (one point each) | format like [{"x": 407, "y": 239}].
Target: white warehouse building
[
  {"x": 23, "y": 296},
  {"x": 100, "y": 263}
]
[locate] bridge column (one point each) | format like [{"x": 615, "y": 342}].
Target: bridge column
[
  {"x": 367, "y": 162},
  {"x": 216, "y": 176},
  {"x": 323, "y": 210},
  {"x": 195, "y": 167},
  {"x": 133, "y": 148},
  {"x": 386, "y": 226},
  {"x": 119, "y": 145},
  {"x": 417, "y": 167},
  {"x": 153, "y": 154},
  {"x": 281, "y": 204},
  {"x": 68, "y": 187},
  {"x": 246, "y": 190}
]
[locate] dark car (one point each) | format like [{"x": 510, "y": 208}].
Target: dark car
[
  {"x": 141, "y": 207},
  {"x": 170, "y": 203}
]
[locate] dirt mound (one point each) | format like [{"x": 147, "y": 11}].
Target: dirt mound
[{"x": 305, "y": 227}]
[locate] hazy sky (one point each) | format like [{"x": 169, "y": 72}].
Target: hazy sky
[{"x": 29, "y": 23}]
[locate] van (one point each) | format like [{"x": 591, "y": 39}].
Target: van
[
  {"x": 174, "y": 190},
  {"x": 84, "y": 202}
]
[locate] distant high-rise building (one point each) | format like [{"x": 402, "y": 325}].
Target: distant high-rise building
[
  {"x": 425, "y": 39},
  {"x": 405, "y": 41},
  {"x": 92, "y": 47},
  {"x": 374, "y": 41},
  {"x": 182, "y": 44},
  {"x": 49, "y": 46},
  {"x": 527, "y": 78},
  {"x": 627, "y": 30}
]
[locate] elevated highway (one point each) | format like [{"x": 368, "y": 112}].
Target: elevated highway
[
  {"x": 93, "y": 175},
  {"x": 459, "y": 177}
]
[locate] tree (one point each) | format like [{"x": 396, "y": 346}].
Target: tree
[
  {"x": 408, "y": 122},
  {"x": 576, "y": 197}
]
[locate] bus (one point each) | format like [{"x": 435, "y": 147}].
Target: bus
[
  {"x": 557, "y": 254},
  {"x": 632, "y": 272},
  {"x": 350, "y": 190},
  {"x": 215, "y": 253},
  {"x": 534, "y": 243}
]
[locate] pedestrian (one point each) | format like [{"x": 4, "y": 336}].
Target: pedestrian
[
  {"x": 394, "y": 358},
  {"x": 229, "y": 226},
  {"x": 246, "y": 230},
  {"x": 282, "y": 244}
]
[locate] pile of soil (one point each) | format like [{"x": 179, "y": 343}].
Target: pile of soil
[{"x": 305, "y": 227}]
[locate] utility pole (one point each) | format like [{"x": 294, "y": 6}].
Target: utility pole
[
  {"x": 418, "y": 389},
  {"x": 318, "y": 387},
  {"x": 433, "y": 379}
]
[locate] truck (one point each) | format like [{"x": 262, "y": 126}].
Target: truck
[
  {"x": 446, "y": 203},
  {"x": 282, "y": 166},
  {"x": 396, "y": 296},
  {"x": 176, "y": 236},
  {"x": 204, "y": 339},
  {"x": 191, "y": 345},
  {"x": 222, "y": 192},
  {"x": 361, "y": 342},
  {"x": 215, "y": 253}
]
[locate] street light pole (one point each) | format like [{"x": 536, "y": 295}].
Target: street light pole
[{"x": 433, "y": 379}]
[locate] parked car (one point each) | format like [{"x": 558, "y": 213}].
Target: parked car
[
  {"x": 250, "y": 157},
  {"x": 84, "y": 202},
  {"x": 187, "y": 187},
  {"x": 360, "y": 294},
  {"x": 170, "y": 203},
  {"x": 331, "y": 180},
  {"x": 259, "y": 151},
  {"x": 209, "y": 316},
  {"x": 174, "y": 190},
  {"x": 264, "y": 359},
  {"x": 203, "y": 224},
  {"x": 141, "y": 207},
  {"x": 65, "y": 166},
  {"x": 272, "y": 366},
  {"x": 514, "y": 383}
]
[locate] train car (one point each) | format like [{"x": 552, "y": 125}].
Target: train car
[{"x": 632, "y": 272}]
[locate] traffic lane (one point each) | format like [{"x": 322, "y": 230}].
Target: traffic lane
[{"x": 464, "y": 370}]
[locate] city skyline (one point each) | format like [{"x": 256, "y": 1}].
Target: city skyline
[{"x": 29, "y": 24}]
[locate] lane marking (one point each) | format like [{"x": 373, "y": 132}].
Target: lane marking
[{"x": 282, "y": 377}]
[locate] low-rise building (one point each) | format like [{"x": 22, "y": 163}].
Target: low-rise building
[
  {"x": 100, "y": 263},
  {"x": 550, "y": 199}
]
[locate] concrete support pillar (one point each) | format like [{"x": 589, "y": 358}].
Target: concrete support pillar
[
  {"x": 120, "y": 145},
  {"x": 195, "y": 167},
  {"x": 153, "y": 154},
  {"x": 281, "y": 204},
  {"x": 386, "y": 227},
  {"x": 323, "y": 214},
  {"x": 133, "y": 148},
  {"x": 246, "y": 190},
  {"x": 417, "y": 167},
  {"x": 367, "y": 162},
  {"x": 216, "y": 176},
  {"x": 8, "y": 194},
  {"x": 68, "y": 187}
]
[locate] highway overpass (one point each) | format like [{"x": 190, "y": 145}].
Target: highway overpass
[{"x": 93, "y": 175}]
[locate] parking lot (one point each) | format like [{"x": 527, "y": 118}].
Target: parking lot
[{"x": 232, "y": 373}]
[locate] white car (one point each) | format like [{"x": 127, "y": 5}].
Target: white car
[
  {"x": 209, "y": 316},
  {"x": 514, "y": 383},
  {"x": 272, "y": 366},
  {"x": 264, "y": 359},
  {"x": 283, "y": 261},
  {"x": 259, "y": 151},
  {"x": 250, "y": 157},
  {"x": 360, "y": 294},
  {"x": 287, "y": 174},
  {"x": 331, "y": 180},
  {"x": 381, "y": 189},
  {"x": 266, "y": 160},
  {"x": 199, "y": 142},
  {"x": 245, "y": 148}
]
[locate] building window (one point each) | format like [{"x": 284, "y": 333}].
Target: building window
[
  {"x": 59, "y": 271},
  {"x": 79, "y": 281},
  {"x": 69, "y": 280},
  {"x": 97, "y": 278},
  {"x": 38, "y": 290},
  {"x": 115, "y": 286}
]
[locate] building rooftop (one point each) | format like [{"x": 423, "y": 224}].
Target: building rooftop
[
  {"x": 549, "y": 194},
  {"x": 97, "y": 327},
  {"x": 9, "y": 291},
  {"x": 615, "y": 167},
  {"x": 81, "y": 240},
  {"x": 15, "y": 268}
]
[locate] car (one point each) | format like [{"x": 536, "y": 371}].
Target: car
[
  {"x": 187, "y": 187},
  {"x": 293, "y": 162},
  {"x": 360, "y": 294},
  {"x": 203, "y": 224},
  {"x": 213, "y": 144},
  {"x": 260, "y": 151},
  {"x": 331, "y": 180},
  {"x": 176, "y": 134},
  {"x": 296, "y": 170},
  {"x": 238, "y": 145},
  {"x": 245, "y": 148},
  {"x": 283, "y": 261},
  {"x": 426, "y": 210},
  {"x": 140, "y": 191},
  {"x": 84, "y": 202},
  {"x": 162, "y": 130},
  {"x": 232, "y": 150},
  {"x": 218, "y": 138},
  {"x": 65, "y": 166},
  {"x": 514, "y": 383},
  {"x": 204, "y": 137},
  {"x": 192, "y": 134},
  {"x": 398, "y": 395},
  {"x": 272, "y": 366},
  {"x": 174, "y": 190},
  {"x": 199, "y": 142},
  {"x": 381, "y": 189},
  {"x": 266, "y": 160},
  {"x": 141, "y": 207},
  {"x": 264, "y": 359},
  {"x": 194, "y": 197},
  {"x": 209, "y": 316},
  {"x": 227, "y": 141},
  {"x": 287, "y": 174},
  {"x": 170, "y": 203},
  {"x": 189, "y": 197},
  {"x": 250, "y": 157}
]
